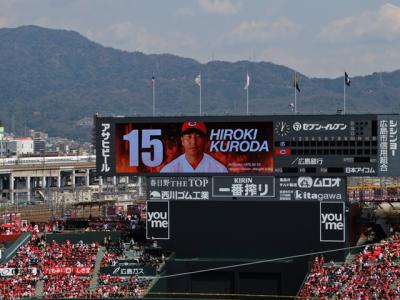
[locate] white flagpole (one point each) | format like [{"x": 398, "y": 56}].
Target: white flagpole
[
  {"x": 201, "y": 83},
  {"x": 344, "y": 93},
  {"x": 247, "y": 101},
  {"x": 246, "y": 87},
  {"x": 295, "y": 93},
  {"x": 154, "y": 96}
]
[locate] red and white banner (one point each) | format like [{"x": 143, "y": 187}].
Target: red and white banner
[
  {"x": 67, "y": 270},
  {"x": 82, "y": 270}
]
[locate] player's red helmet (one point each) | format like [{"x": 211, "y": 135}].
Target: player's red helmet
[{"x": 200, "y": 126}]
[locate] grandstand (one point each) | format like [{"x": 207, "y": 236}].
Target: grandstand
[
  {"x": 91, "y": 261},
  {"x": 99, "y": 265},
  {"x": 373, "y": 273}
]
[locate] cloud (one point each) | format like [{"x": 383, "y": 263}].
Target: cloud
[
  {"x": 220, "y": 7},
  {"x": 5, "y": 22},
  {"x": 184, "y": 12},
  {"x": 260, "y": 31},
  {"x": 121, "y": 31},
  {"x": 132, "y": 37},
  {"x": 7, "y": 18},
  {"x": 334, "y": 59},
  {"x": 383, "y": 24},
  {"x": 127, "y": 36}
]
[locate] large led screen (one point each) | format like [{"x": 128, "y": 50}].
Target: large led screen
[
  {"x": 194, "y": 147},
  {"x": 183, "y": 146}
]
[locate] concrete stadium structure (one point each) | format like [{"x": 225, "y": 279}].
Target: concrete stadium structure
[{"x": 32, "y": 179}]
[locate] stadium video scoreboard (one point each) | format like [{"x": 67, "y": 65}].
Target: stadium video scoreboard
[
  {"x": 349, "y": 145},
  {"x": 295, "y": 145}
]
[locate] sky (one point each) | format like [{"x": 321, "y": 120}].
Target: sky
[{"x": 319, "y": 38}]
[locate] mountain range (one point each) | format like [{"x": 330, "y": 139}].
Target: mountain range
[{"x": 56, "y": 80}]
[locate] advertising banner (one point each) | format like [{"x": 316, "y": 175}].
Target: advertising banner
[
  {"x": 58, "y": 270},
  {"x": 210, "y": 188},
  {"x": 179, "y": 188},
  {"x": 388, "y": 139},
  {"x": 67, "y": 270},
  {"x": 82, "y": 271},
  {"x": 311, "y": 188},
  {"x": 6, "y": 272},
  {"x": 263, "y": 188},
  {"x": 157, "y": 221},
  {"x": 332, "y": 222},
  {"x": 243, "y": 186},
  {"x": 129, "y": 271}
]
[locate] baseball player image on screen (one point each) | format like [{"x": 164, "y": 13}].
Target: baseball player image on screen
[{"x": 194, "y": 140}]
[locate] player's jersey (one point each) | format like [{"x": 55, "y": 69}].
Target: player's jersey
[{"x": 207, "y": 165}]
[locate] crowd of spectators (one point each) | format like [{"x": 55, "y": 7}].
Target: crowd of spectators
[
  {"x": 22, "y": 271},
  {"x": 18, "y": 286},
  {"x": 23, "y": 281},
  {"x": 110, "y": 286},
  {"x": 374, "y": 274},
  {"x": 117, "y": 250},
  {"x": 117, "y": 286},
  {"x": 65, "y": 286},
  {"x": 151, "y": 260},
  {"x": 112, "y": 223},
  {"x": 109, "y": 259},
  {"x": 9, "y": 229},
  {"x": 49, "y": 227},
  {"x": 145, "y": 256},
  {"x": 59, "y": 265},
  {"x": 10, "y": 224},
  {"x": 68, "y": 256}
]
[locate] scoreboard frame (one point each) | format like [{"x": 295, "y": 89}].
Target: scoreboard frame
[{"x": 300, "y": 145}]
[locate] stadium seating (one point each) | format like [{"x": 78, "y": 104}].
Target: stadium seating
[
  {"x": 67, "y": 269},
  {"x": 374, "y": 274},
  {"x": 22, "y": 272},
  {"x": 116, "y": 286}
]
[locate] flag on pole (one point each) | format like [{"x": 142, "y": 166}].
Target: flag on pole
[
  {"x": 197, "y": 80},
  {"x": 247, "y": 81},
  {"x": 152, "y": 81},
  {"x": 347, "y": 79},
  {"x": 296, "y": 83}
]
